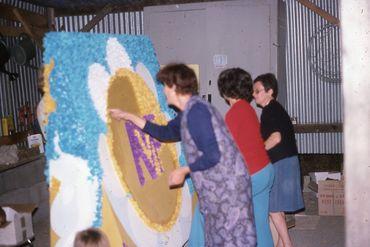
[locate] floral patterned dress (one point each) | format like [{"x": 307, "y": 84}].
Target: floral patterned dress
[{"x": 224, "y": 190}]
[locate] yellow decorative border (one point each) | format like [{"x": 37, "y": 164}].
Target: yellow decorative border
[
  {"x": 49, "y": 103},
  {"x": 148, "y": 105}
]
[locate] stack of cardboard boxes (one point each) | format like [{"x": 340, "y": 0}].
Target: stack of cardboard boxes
[{"x": 330, "y": 192}]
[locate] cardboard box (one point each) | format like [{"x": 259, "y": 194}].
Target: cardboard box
[
  {"x": 319, "y": 176},
  {"x": 18, "y": 228},
  {"x": 36, "y": 141},
  {"x": 331, "y": 197}
]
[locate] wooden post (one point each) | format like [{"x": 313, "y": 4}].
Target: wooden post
[
  {"x": 35, "y": 20},
  {"x": 27, "y": 27},
  {"x": 51, "y": 19},
  {"x": 99, "y": 16},
  {"x": 355, "y": 31},
  {"x": 330, "y": 18}
]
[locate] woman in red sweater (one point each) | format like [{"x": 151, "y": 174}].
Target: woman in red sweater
[{"x": 236, "y": 87}]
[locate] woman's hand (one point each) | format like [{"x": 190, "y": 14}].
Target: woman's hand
[
  {"x": 273, "y": 140},
  {"x": 122, "y": 115},
  {"x": 177, "y": 177},
  {"x": 118, "y": 114}
]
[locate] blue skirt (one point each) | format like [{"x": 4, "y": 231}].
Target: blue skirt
[{"x": 286, "y": 192}]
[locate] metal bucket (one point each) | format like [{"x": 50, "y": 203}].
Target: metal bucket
[{"x": 24, "y": 50}]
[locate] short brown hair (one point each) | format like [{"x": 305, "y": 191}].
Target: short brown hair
[
  {"x": 268, "y": 81},
  {"x": 91, "y": 237},
  {"x": 235, "y": 83},
  {"x": 180, "y": 75}
]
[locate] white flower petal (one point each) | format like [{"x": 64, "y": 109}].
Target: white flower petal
[
  {"x": 127, "y": 214},
  {"x": 145, "y": 74},
  {"x": 67, "y": 217},
  {"x": 98, "y": 82},
  {"x": 117, "y": 56}
]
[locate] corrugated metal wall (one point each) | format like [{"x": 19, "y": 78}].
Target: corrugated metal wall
[
  {"x": 118, "y": 23},
  {"x": 312, "y": 65},
  {"x": 25, "y": 5},
  {"x": 314, "y": 91},
  {"x": 15, "y": 94}
]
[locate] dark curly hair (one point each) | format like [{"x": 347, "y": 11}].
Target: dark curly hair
[
  {"x": 180, "y": 75},
  {"x": 235, "y": 83},
  {"x": 91, "y": 237},
  {"x": 268, "y": 81}
]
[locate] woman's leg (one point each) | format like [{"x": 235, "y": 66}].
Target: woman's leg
[
  {"x": 196, "y": 238},
  {"x": 286, "y": 195},
  {"x": 274, "y": 233},
  {"x": 278, "y": 218},
  {"x": 261, "y": 186}
]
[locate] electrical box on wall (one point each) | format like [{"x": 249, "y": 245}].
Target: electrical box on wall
[{"x": 216, "y": 36}]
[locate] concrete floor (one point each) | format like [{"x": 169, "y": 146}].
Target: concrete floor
[
  {"x": 42, "y": 233},
  {"x": 318, "y": 231},
  {"x": 310, "y": 230},
  {"x": 26, "y": 184}
]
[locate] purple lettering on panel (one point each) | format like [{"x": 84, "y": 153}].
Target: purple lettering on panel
[{"x": 144, "y": 148}]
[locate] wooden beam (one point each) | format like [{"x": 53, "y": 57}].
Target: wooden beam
[
  {"x": 27, "y": 27},
  {"x": 98, "y": 17},
  {"x": 138, "y": 5},
  {"x": 16, "y": 31},
  {"x": 14, "y": 139},
  {"x": 330, "y": 18},
  {"x": 50, "y": 13},
  {"x": 318, "y": 128},
  {"x": 6, "y": 12}
]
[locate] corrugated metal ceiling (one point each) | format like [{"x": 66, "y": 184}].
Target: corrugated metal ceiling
[
  {"x": 72, "y": 4},
  {"x": 75, "y": 7}
]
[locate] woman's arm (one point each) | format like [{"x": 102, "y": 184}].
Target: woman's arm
[
  {"x": 122, "y": 115},
  {"x": 201, "y": 130},
  {"x": 270, "y": 126},
  {"x": 273, "y": 140},
  {"x": 165, "y": 133}
]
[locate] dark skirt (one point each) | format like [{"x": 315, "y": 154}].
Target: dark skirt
[{"x": 286, "y": 192}]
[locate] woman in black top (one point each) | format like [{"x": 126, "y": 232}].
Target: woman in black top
[{"x": 278, "y": 134}]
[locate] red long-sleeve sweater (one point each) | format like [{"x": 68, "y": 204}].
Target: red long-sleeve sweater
[{"x": 243, "y": 124}]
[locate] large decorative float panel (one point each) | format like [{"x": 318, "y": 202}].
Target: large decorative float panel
[{"x": 102, "y": 172}]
